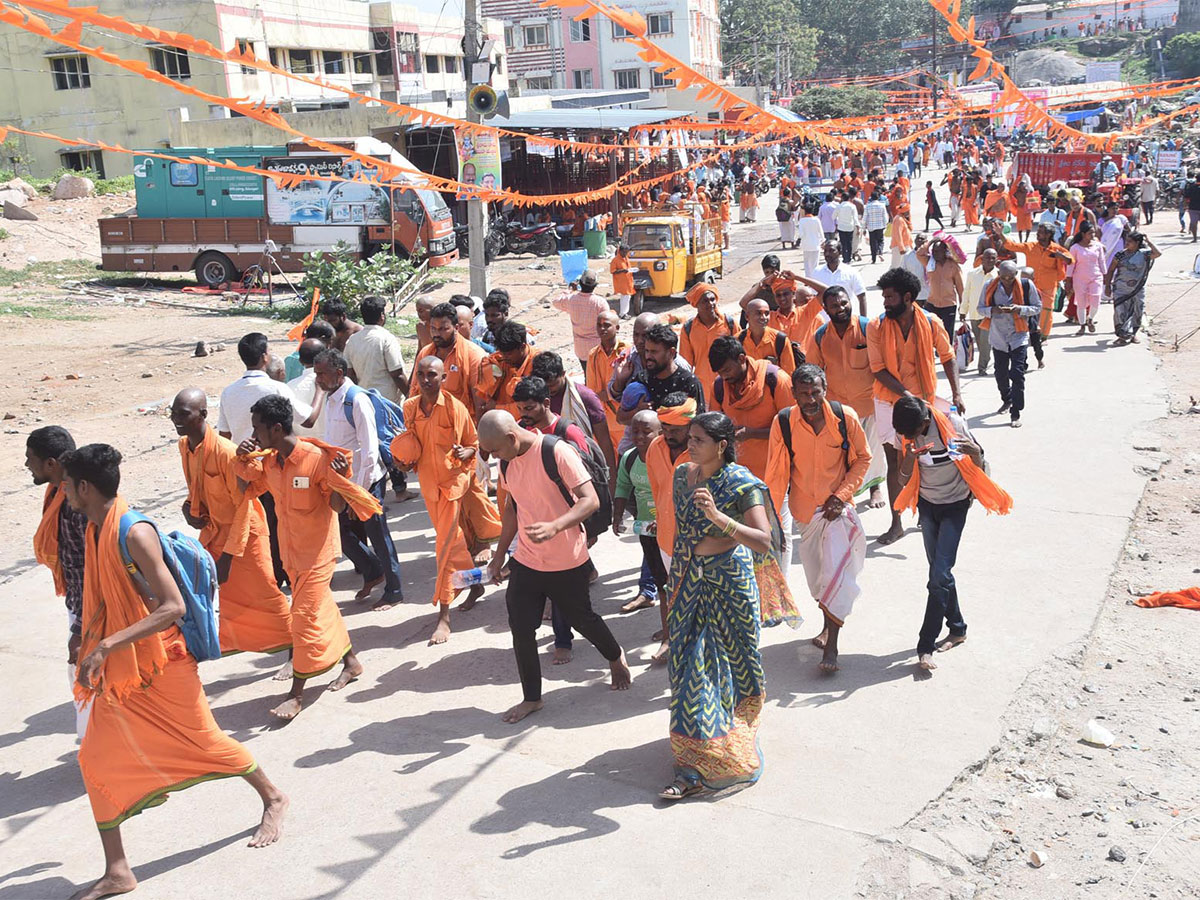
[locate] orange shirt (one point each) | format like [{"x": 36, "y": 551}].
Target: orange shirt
[
  {"x": 597, "y": 376},
  {"x": 661, "y": 472},
  {"x": 847, "y": 365},
  {"x": 622, "y": 275},
  {"x": 912, "y": 367},
  {"x": 308, "y": 530},
  {"x": 497, "y": 379},
  {"x": 213, "y": 492},
  {"x": 538, "y": 499},
  {"x": 817, "y": 465},
  {"x": 1048, "y": 271},
  {"x": 694, "y": 341},
  {"x": 426, "y": 444},
  {"x": 774, "y": 347},
  {"x": 753, "y": 404},
  {"x": 461, "y": 363},
  {"x": 800, "y": 323}
]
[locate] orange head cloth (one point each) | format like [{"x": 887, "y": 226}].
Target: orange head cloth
[
  {"x": 783, "y": 283},
  {"x": 678, "y": 415},
  {"x": 698, "y": 290}
]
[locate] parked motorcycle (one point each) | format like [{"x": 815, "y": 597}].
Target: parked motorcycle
[{"x": 512, "y": 237}]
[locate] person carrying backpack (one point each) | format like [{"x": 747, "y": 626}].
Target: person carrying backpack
[
  {"x": 353, "y": 422},
  {"x": 818, "y": 459},
  {"x": 137, "y": 670},
  {"x": 551, "y": 557}
]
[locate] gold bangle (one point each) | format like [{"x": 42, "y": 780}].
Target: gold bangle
[{"x": 730, "y": 529}]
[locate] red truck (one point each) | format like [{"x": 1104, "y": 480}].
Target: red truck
[{"x": 219, "y": 222}]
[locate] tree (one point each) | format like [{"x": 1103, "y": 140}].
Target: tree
[
  {"x": 759, "y": 37},
  {"x": 838, "y": 102},
  {"x": 868, "y": 31},
  {"x": 1183, "y": 51}
]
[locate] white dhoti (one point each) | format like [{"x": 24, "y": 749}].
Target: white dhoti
[
  {"x": 877, "y": 473},
  {"x": 833, "y": 554}
]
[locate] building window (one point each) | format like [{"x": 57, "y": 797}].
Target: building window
[
  {"x": 300, "y": 62},
  {"x": 658, "y": 23},
  {"x": 171, "y": 62},
  {"x": 362, "y": 64},
  {"x": 508, "y": 37},
  {"x": 451, "y": 65},
  {"x": 70, "y": 72},
  {"x": 628, "y": 79},
  {"x": 433, "y": 64},
  {"x": 334, "y": 62},
  {"x": 384, "y": 63},
  {"x": 83, "y": 161},
  {"x": 407, "y": 55},
  {"x": 541, "y": 83},
  {"x": 581, "y": 31},
  {"x": 659, "y": 80},
  {"x": 582, "y": 79},
  {"x": 714, "y": 116},
  {"x": 620, "y": 33},
  {"x": 245, "y": 45},
  {"x": 535, "y": 35}
]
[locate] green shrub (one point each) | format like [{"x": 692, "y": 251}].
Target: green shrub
[{"x": 341, "y": 277}]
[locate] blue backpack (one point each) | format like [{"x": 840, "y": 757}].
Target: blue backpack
[
  {"x": 195, "y": 574},
  {"x": 389, "y": 418}
]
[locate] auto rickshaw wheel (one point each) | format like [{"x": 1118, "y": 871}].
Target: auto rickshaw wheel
[{"x": 635, "y": 303}]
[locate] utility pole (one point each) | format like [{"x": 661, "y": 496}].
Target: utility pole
[
  {"x": 476, "y": 208},
  {"x": 933, "y": 30}
]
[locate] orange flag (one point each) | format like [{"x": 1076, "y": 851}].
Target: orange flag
[{"x": 297, "y": 333}]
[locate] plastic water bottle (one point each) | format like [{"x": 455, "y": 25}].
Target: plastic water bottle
[
  {"x": 645, "y": 527},
  {"x": 465, "y": 578},
  {"x": 952, "y": 444}
]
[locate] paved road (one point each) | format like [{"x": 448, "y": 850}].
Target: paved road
[{"x": 408, "y": 783}]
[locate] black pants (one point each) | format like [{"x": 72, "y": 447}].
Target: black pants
[
  {"x": 847, "y": 241},
  {"x": 652, "y": 559},
  {"x": 938, "y": 219},
  {"x": 528, "y": 590},
  {"x": 1148, "y": 212},
  {"x": 1010, "y": 377},
  {"x": 875, "y": 235},
  {"x": 1035, "y": 338},
  {"x": 947, "y": 314},
  {"x": 941, "y": 529},
  {"x": 268, "y": 502}
]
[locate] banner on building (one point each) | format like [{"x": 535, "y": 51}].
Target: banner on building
[
  {"x": 1103, "y": 70},
  {"x": 333, "y": 202},
  {"x": 478, "y": 158}
]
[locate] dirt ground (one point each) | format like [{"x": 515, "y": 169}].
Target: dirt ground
[
  {"x": 64, "y": 230},
  {"x": 106, "y": 365}
]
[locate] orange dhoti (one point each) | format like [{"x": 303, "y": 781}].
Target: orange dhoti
[
  {"x": 319, "y": 635},
  {"x": 255, "y": 616},
  {"x": 155, "y": 740},
  {"x": 459, "y": 524}
]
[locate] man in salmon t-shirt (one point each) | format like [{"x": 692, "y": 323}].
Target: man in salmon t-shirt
[{"x": 551, "y": 559}]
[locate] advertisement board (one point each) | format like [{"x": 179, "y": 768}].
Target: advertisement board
[
  {"x": 326, "y": 202},
  {"x": 1103, "y": 70},
  {"x": 478, "y": 158},
  {"x": 1168, "y": 160},
  {"x": 1046, "y": 168}
]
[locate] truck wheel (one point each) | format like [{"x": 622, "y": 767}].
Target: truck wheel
[
  {"x": 214, "y": 269},
  {"x": 546, "y": 245}
]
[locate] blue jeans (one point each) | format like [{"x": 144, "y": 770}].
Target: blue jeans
[
  {"x": 941, "y": 529},
  {"x": 378, "y": 558}
]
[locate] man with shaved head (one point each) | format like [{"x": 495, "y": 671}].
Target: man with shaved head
[
  {"x": 545, "y": 515},
  {"x": 255, "y": 615},
  {"x": 762, "y": 342},
  {"x": 440, "y": 443}
]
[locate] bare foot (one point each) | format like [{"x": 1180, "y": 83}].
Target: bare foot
[
  {"x": 270, "y": 829},
  {"x": 641, "y": 601},
  {"x": 351, "y": 669},
  {"x": 821, "y": 639},
  {"x": 472, "y": 598},
  {"x": 288, "y": 709},
  {"x": 108, "y": 886},
  {"x": 951, "y": 642},
  {"x": 284, "y": 673},
  {"x": 621, "y": 676},
  {"x": 441, "y": 631},
  {"x": 829, "y": 662},
  {"x": 661, "y": 654},
  {"x": 365, "y": 591},
  {"x": 521, "y": 710},
  {"x": 892, "y": 535},
  {"x": 876, "y": 500},
  {"x": 562, "y": 656},
  {"x": 925, "y": 661}
]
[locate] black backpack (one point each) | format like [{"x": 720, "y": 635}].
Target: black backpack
[
  {"x": 599, "y": 521},
  {"x": 785, "y": 430}
]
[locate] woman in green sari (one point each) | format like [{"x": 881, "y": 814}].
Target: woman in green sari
[{"x": 725, "y": 583}]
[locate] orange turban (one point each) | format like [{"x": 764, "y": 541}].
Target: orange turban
[
  {"x": 678, "y": 415},
  {"x": 783, "y": 283},
  {"x": 698, "y": 290}
]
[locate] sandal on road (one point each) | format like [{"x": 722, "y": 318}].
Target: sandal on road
[{"x": 680, "y": 788}]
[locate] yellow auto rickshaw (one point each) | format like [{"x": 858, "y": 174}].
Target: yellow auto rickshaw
[{"x": 670, "y": 250}]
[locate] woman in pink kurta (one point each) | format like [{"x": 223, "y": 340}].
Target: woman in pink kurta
[{"x": 1087, "y": 276}]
